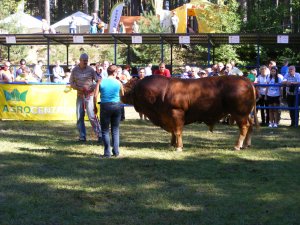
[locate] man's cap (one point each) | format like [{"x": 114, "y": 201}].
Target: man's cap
[
  {"x": 202, "y": 71},
  {"x": 84, "y": 56}
]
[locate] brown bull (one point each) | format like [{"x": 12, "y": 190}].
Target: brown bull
[{"x": 173, "y": 103}]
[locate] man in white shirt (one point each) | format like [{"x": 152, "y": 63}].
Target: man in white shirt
[
  {"x": 135, "y": 27},
  {"x": 105, "y": 65},
  {"x": 174, "y": 22},
  {"x": 148, "y": 70},
  {"x": 73, "y": 26},
  {"x": 290, "y": 80},
  {"x": 37, "y": 71},
  {"x": 58, "y": 73}
]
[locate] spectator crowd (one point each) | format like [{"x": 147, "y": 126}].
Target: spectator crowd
[{"x": 274, "y": 86}]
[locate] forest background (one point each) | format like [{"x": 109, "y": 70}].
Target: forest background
[{"x": 242, "y": 16}]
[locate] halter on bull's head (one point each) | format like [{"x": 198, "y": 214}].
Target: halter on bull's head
[{"x": 129, "y": 90}]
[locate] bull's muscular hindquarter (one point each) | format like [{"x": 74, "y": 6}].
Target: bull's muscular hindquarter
[{"x": 173, "y": 103}]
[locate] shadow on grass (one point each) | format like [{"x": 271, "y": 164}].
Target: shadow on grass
[
  {"x": 63, "y": 184},
  {"x": 62, "y": 189},
  {"x": 53, "y": 151}
]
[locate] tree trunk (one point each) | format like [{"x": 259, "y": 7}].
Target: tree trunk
[
  {"x": 96, "y": 6},
  {"x": 60, "y": 10},
  {"x": 291, "y": 17},
  {"x": 41, "y": 8},
  {"x": 86, "y": 6},
  {"x": 47, "y": 10},
  {"x": 244, "y": 10},
  {"x": 105, "y": 10}
]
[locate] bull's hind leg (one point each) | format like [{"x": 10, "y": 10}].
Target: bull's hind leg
[
  {"x": 243, "y": 127},
  {"x": 173, "y": 140},
  {"x": 176, "y": 124},
  {"x": 247, "y": 142}
]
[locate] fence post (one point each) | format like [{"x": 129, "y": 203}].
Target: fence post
[
  {"x": 297, "y": 106},
  {"x": 161, "y": 49},
  {"x": 115, "y": 51}
]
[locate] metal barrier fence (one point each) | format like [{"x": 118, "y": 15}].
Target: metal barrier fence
[{"x": 295, "y": 107}]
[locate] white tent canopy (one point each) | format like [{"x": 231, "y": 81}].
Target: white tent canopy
[
  {"x": 82, "y": 20},
  {"x": 26, "y": 22}
]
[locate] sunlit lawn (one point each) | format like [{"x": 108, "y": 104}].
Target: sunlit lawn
[{"x": 46, "y": 177}]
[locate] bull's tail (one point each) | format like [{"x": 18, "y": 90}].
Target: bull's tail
[
  {"x": 255, "y": 117},
  {"x": 254, "y": 111}
]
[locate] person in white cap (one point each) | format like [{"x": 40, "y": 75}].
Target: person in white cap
[{"x": 82, "y": 79}]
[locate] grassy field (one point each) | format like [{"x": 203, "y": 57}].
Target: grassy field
[{"x": 48, "y": 178}]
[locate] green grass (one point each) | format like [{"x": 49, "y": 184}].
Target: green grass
[{"x": 48, "y": 178}]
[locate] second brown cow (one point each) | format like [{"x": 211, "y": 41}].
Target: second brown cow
[{"x": 173, "y": 103}]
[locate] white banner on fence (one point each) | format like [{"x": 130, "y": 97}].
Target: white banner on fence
[
  {"x": 184, "y": 40},
  {"x": 115, "y": 16},
  {"x": 282, "y": 39},
  {"x": 11, "y": 40},
  {"x": 234, "y": 39},
  {"x": 137, "y": 39},
  {"x": 78, "y": 39}
]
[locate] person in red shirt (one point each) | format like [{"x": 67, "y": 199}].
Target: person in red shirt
[{"x": 162, "y": 70}]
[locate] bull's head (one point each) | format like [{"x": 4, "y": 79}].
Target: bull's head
[{"x": 129, "y": 90}]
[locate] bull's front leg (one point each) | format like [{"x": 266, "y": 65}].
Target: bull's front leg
[
  {"x": 178, "y": 141},
  {"x": 243, "y": 127}
]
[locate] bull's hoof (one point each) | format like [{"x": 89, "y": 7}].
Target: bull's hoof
[
  {"x": 179, "y": 149},
  {"x": 237, "y": 148},
  {"x": 246, "y": 146}
]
